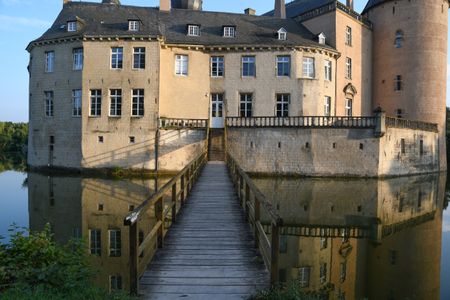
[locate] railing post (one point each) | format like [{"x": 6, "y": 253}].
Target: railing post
[
  {"x": 159, "y": 214},
  {"x": 257, "y": 219},
  {"x": 174, "y": 203},
  {"x": 134, "y": 284},
  {"x": 275, "y": 247}
]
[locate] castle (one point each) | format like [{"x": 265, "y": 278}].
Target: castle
[{"x": 311, "y": 88}]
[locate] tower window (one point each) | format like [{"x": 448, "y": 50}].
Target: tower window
[
  {"x": 403, "y": 146},
  {"x": 398, "y": 83},
  {"x": 421, "y": 148},
  {"x": 398, "y": 39},
  {"x": 399, "y": 113},
  {"x": 348, "y": 36}
]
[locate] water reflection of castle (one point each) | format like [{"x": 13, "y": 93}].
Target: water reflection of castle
[{"x": 374, "y": 239}]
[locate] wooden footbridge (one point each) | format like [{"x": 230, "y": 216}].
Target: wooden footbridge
[{"x": 192, "y": 239}]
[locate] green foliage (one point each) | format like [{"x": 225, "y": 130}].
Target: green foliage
[
  {"x": 13, "y": 137},
  {"x": 33, "y": 266},
  {"x": 292, "y": 291}
]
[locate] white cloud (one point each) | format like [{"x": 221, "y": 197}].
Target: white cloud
[{"x": 9, "y": 22}]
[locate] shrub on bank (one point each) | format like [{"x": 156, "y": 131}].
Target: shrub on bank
[
  {"x": 292, "y": 291},
  {"x": 33, "y": 266}
]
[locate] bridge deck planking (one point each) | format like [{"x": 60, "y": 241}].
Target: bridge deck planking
[{"x": 209, "y": 252}]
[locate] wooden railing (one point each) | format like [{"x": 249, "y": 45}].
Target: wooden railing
[
  {"x": 141, "y": 235},
  {"x": 252, "y": 201},
  {"x": 304, "y": 121},
  {"x": 173, "y": 123},
  {"x": 404, "y": 123}
]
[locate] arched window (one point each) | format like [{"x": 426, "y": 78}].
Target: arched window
[{"x": 398, "y": 39}]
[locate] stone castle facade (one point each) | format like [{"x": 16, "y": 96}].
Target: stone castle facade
[{"x": 105, "y": 74}]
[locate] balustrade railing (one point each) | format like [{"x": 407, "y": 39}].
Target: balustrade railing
[
  {"x": 304, "y": 121},
  {"x": 142, "y": 231},
  {"x": 254, "y": 204},
  {"x": 404, "y": 123},
  {"x": 179, "y": 123}
]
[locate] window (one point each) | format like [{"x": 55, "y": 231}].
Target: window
[
  {"x": 348, "y": 36},
  {"x": 398, "y": 83},
  {"x": 246, "y": 105},
  {"x": 283, "y": 65},
  {"x": 323, "y": 243},
  {"x": 49, "y": 103},
  {"x": 115, "y": 282},
  {"x": 327, "y": 106},
  {"x": 229, "y": 31},
  {"x": 282, "y": 109},
  {"x": 193, "y": 30},
  {"x": 308, "y": 67},
  {"x": 139, "y": 58},
  {"x": 399, "y": 113},
  {"x": 138, "y": 103},
  {"x": 398, "y": 39},
  {"x": 117, "y": 58},
  {"x": 77, "y": 58},
  {"x": 343, "y": 271},
  {"x": 115, "y": 243},
  {"x": 217, "y": 105},
  {"x": 115, "y": 109},
  {"x": 348, "y": 107},
  {"x": 348, "y": 68},
  {"x": 96, "y": 103},
  {"x": 72, "y": 26},
  {"x": 322, "y": 38},
  {"x": 181, "y": 65},
  {"x": 101, "y": 140},
  {"x": 303, "y": 276},
  {"x": 49, "y": 61},
  {"x": 403, "y": 146},
  {"x": 328, "y": 70},
  {"x": 282, "y": 34},
  {"x": 248, "y": 66},
  {"x": 323, "y": 272},
  {"x": 133, "y": 25},
  {"x": 421, "y": 148},
  {"x": 132, "y": 141},
  {"x": 76, "y": 102},
  {"x": 217, "y": 66},
  {"x": 95, "y": 241}
]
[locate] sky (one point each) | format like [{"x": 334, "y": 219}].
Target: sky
[{"x": 22, "y": 21}]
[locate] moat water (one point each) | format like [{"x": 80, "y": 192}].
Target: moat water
[{"x": 362, "y": 239}]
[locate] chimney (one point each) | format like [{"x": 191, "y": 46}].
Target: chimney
[
  {"x": 350, "y": 4},
  {"x": 250, "y": 11},
  {"x": 66, "y": 1},
  {"x": 280, "y": 9},
  {"x": 164, "y": 5}
]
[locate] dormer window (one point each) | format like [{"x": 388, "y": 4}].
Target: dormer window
[
  {"x": 282, "y": 34},
  {"x": 133, "y": 25},
  {"x": 193, "y": 30},
  {"x": 229, "y": 31},
  {"x": 322, "y": 38},
  {"x": 72, "y": 26}
]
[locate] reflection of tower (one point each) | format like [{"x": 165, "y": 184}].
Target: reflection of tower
[
  {"x": 409, "y": 60},
  {"x": 187, "y": 4}
]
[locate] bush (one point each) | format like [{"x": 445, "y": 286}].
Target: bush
[
  {"x": 292, "y": 291},
  {"x": 33, "y": 266}
]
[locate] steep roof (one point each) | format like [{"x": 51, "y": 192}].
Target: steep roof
[
  {"x": 298, "y": 7},
  {"x": 112, "y": 20}
]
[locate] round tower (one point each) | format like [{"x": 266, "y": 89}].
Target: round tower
[{"x": 410, "y": 60}]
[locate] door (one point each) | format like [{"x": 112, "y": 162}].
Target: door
[{"x": 217, "y": 119}]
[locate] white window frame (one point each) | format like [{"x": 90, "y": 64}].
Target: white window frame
[
  {"x": 282, "y": 34},
  {"x": 348, "y": 107},
  {"x": 115, "y": 104},
  {"x": 283, "y": 65},
  {"x": 348, "y": 36},
  {"x": 77, "y": 55},
  {"x": 139, "y": 58},
  {"x": 327, "y": 106},
  {"x": 115, "y": 243},
  {"x": 348, "y": 68},
  {"x": 181, "y": 65},
  {"x": 322, "y": 39},
  {"x": 116, "y": 58},
  {"x": 309, "y": 67},
  {"x": 95, "y": 241},
  {"x": 193, "y": 30},
  {"x": 246, "y": 105},
  {"x": 399, "y": 36},
  {"x": 217, "y": 66},
  {"x": 49, "y": 103},
  {"x": 137, "y": 103},
  {"x": 328, "y": 66},
  {"x": 76, "y": 103},
  {"x": 217, "y": 105},
  {"x": 72, "y": 26},
  {"x": 133, "y": 25},
  {"x": 229, "y": 31},
  {"x": 95, "y": 108},
  {"x": 49, "y": 61},
  {"x": 304, "y": 275},
  {"x": 282, "y": 105},
  {"x": 248, "y": 66}
]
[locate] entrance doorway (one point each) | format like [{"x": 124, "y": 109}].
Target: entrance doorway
[{"x": 217, "y": 119}]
